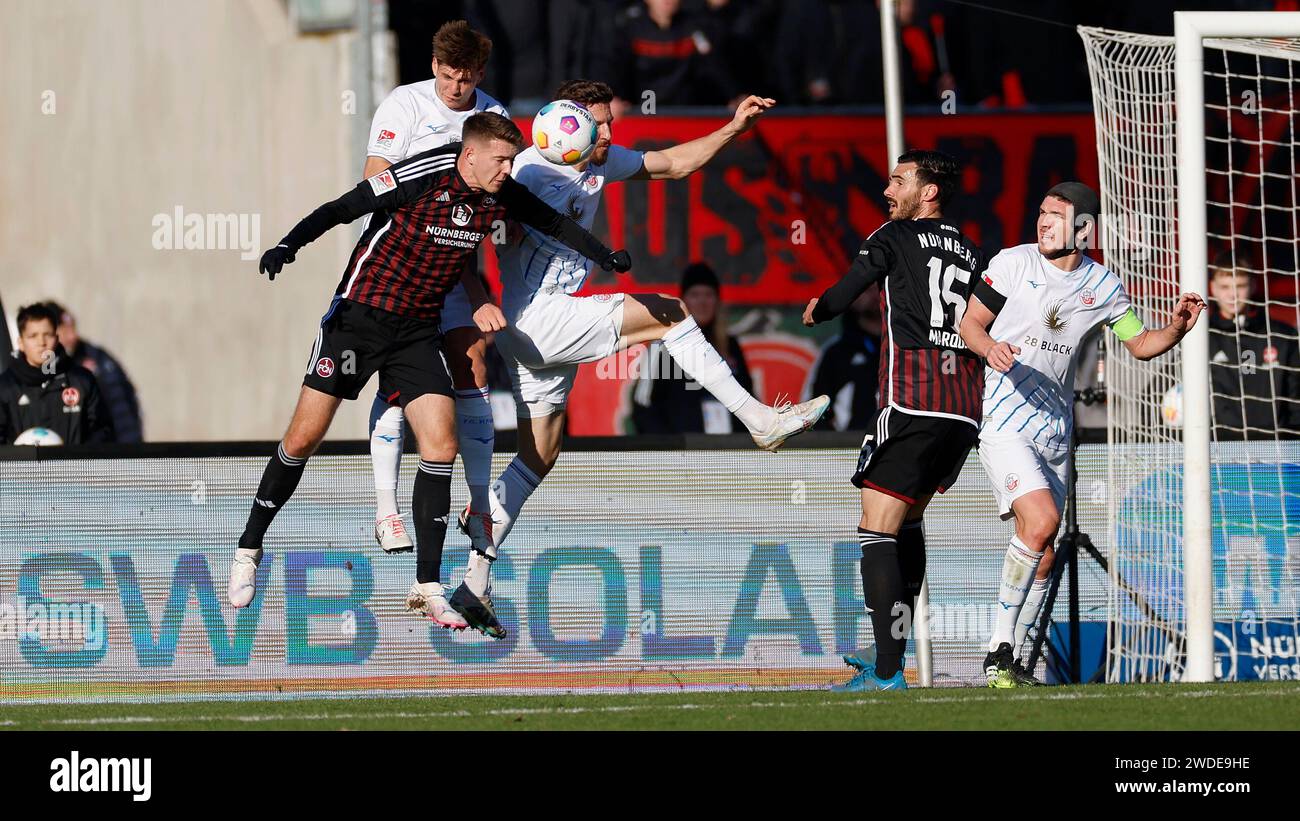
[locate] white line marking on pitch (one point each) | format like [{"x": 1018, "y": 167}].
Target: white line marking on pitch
[{"x": 632, "y": 708}]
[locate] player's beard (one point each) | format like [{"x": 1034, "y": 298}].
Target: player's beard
[
  {"x": 905, "y": 210},
  {"x": 599, "y": 155}
]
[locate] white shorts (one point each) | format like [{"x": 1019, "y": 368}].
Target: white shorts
[
  {"x": 546, "y": 342},
  {"x": 456, "y": 312},
  {"x": 1015, "y": 466}
]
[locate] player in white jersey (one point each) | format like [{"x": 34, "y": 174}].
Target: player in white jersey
[
  {"x": 1029, "y": 311},
  {"x": 550, "y": 331},
  {"x": 412, "y": 119}
]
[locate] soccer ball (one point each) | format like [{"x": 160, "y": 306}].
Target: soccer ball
[
  {"x": 1171, "y": 406},
  {"x": 564, "y": 132},
  {"x": 38, "y": 436}
]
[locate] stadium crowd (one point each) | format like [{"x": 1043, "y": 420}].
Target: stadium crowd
[{"x": 811, "y": 52}]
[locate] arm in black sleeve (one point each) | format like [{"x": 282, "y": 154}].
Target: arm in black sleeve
[
  {"x": 1288, "y": 392},
  {"x": 992, "y": 300},
  {"x": 872, "y": 264},
  {"x": 99, "y": 424},
  {"x": 385, "y": 190},
  {"x": 523, "y": 205}
]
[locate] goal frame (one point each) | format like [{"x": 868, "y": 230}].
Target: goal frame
[{"x": 1191, "y": 29}]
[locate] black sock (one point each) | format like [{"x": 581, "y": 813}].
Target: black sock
[
  {"x": 882, "y": 587},
  {"x": 279, "y": 481},
  {"x": 911, "y": 563},
  {"x": 430, "y": 504}
]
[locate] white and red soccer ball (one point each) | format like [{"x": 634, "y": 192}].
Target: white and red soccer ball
[{"x": 564, "y": 132}]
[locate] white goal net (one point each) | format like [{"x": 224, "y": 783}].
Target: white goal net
[{"x": 1252, "y": 248}]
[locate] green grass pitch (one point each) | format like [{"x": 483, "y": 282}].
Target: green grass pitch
[{"x": 1241, "y": 706}]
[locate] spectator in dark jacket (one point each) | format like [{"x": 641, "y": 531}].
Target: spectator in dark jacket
[
  {"x": 665, "y": 400},
  {"x": 1254, "y": 362},
  {"x": 114, "y": 385},
  {"x": 43, "y": 388},
  {"x": 675, "y": 54},
  {"x": 848, "y": 370}
]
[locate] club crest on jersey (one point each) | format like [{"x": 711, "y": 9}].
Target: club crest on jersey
[
  {"x": 1012, "y": 482},
  {"x": 385, "y": 138},
  {"x": 71, "y": 397},
  {"x": 324, "y": 367},
  {"x": 1088, "y": 297},
  {"x": 1053, "y": 320},
  {"x": 461, "y": 214},
  {"x": 382, "y": 182}
]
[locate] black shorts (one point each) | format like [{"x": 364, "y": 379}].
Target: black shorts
[
  {"x": 909, "y": 456},
  {"x": 356, "y": 340}
]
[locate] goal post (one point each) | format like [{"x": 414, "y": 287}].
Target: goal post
[{"x": 1153, "y": 129}]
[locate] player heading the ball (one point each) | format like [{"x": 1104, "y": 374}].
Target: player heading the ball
[{"x": 430, "y": 213}]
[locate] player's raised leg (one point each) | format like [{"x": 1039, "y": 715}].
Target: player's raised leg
[
  {"x": 648, "y": 317},
  {"x": 386, "y": 423},
  {"x": 432, "y": 419},
  {"x": 1037, "y": 519},
  {"x": 311, "y": 420}
]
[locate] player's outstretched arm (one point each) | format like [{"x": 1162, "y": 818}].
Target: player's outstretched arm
[
  {"x": 383, "y": 191},
  {"x": 1154, "y": 342},
  {"x": 872, "y": 263},
  {"x": 685, "y": 159},
  {"x": 523, "y": 205},
  {"x": 974, "y": 332}
]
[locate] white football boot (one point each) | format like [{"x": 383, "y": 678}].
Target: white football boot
[
  {"x": 428, "y": 599},
  {"x": 391, "y": 534},
  {"x": 243, "y": 576},
  {"x": 791, "y": 420}
]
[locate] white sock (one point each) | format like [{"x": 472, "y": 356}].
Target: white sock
[
  {"x": 1029, "y": 613},
  {"x": 687, "y": 346},
  {"x": 475, "y": 434},
  {"x": 478, "y": 573},
  {"x": 1018, "y": 569},
  {"x": 509, "y": 493},
  {"x": 385, "y": 455}
]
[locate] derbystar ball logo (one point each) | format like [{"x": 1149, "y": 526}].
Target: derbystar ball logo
[
  {"x": 461, "y": 214},
  {"x": 325, "y": 367},
  {"x": 71, "y": 397},
  {"x": 1088, "y": 298},
  {"x": 1012, "y": 482}
]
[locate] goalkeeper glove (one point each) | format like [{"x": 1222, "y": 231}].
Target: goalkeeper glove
[{"x": 275, "y": 259}]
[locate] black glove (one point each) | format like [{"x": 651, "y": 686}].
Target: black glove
[
  {"x": 275, "y": 259},
  {"x": 617, "y": 261}
]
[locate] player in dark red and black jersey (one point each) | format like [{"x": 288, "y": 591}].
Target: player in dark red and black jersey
[
  {"x": 431, "y": 212},
  {"x": 930, "y": 393}
]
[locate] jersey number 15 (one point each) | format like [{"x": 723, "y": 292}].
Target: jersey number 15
[{"x": 946, "y": 308}]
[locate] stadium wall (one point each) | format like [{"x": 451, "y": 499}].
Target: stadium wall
[{"x": 119, "y": 116}]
